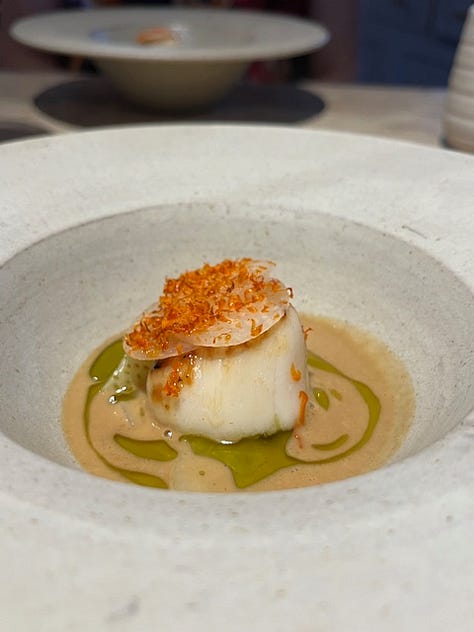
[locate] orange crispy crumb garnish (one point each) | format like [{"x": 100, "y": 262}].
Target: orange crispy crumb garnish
[
  {"x": 295, "y": 374},
  {"x": 199, "y": 299},
  {"x": 155, "y": 35},
  {"x": 181, "y": 374},
  {"x": 301, "y": 417}
]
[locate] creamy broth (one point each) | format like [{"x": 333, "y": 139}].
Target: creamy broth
[{"x": 362, "y": 407}]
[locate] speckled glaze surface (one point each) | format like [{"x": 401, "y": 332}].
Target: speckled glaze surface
[{"x": 374, "y": 231}]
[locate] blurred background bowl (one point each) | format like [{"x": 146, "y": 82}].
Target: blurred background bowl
[{"x": 205, "y": 54}]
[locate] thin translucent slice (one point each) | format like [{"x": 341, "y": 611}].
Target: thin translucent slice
[{"x": 215, "y": 306}]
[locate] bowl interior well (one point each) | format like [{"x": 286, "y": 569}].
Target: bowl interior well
[{"x": 65, "y": 295}]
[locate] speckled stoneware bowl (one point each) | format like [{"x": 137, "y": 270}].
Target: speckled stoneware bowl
[
  {"x": 373, "y": 231},
  {"x": 209, "y": 53}
]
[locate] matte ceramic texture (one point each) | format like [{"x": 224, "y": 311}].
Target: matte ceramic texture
[
  {"x": 214, "y": 48},
  {"x": 335, "y": 267},
  {"x": 172, "y": 85},
  {"x": 459, "y": 113},
  {"x": 377, "y": 232}
]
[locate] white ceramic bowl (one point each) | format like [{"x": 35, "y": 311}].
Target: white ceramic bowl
[
  {"x": 376, "y": 232},
  {"x": 212, "y": 49},
  {"x": 458, "y": 123}
]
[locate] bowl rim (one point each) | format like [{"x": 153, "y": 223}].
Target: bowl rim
[
  {"x": 448, "y": 239},
  {"x": 68, "y": 32},
  {"x": 392, "y": 518}
]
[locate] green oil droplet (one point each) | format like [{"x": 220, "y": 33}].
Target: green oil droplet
[
  {"x": 100, "y": 372},
  {"x": 107, "y": 361},
  {"x": 321, "y": 397},
  {"x": 155, "y": 450},
  {"x": 332, "y": 445},
  {"x": 249, "y": 459},
  {"x": 141, "y": 478},
  {"x": 336, "y": 394},
  {"x": 370, "y": 399}
]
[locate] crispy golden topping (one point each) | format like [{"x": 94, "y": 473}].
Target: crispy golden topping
[{"x": 218, "y": 305}]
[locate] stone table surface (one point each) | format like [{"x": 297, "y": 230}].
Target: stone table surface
[{"x": 56, "y": 102}]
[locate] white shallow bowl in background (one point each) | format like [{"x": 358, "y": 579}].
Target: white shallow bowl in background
[
  {"x": 372, "y": 231},
  {"x": 212, "y": 50}
]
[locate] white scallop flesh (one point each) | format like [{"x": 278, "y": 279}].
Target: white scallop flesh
[
  {"x": 237, "y": 392},
  {"x": 235, "y": 328}
]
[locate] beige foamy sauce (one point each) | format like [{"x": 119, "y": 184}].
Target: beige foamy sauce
[{"x": 362, "y": 407}]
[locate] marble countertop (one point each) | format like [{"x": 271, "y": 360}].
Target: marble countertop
[{"x": 57, "y": 102}]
